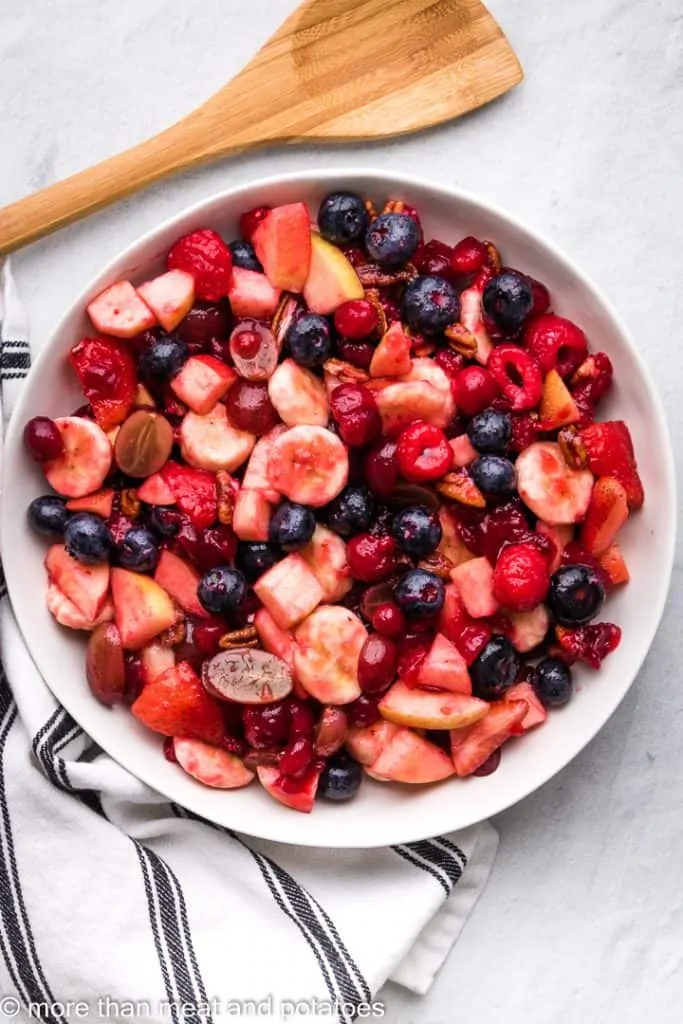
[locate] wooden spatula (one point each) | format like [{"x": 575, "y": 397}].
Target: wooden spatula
[{"x": 336, "y": 69}]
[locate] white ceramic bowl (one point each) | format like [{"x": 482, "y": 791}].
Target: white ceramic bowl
[{"x": 382, "y": 813}]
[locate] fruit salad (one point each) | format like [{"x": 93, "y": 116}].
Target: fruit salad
[{"x": 338, "y": 504}]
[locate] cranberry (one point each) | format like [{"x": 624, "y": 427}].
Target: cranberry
[
  {"x": 469, "y": 256},
  {"x": 205, "y": 323},
  {"x": 381, "y": 468},
  {"x": 474, "y": 389},
  {"x": 355, "y": 256},
  {"x": 206, "y": 635},
  {"x": 525, "y": 431},
  {"x": 296, "y": 757},
  {"x": 451, "y": 363},
  {"x": 169, "y": 750},
  {"x": 246, "y": 344},
  {"x": 556, "y": 342},
  {"x": 371, "y": 558},
  {"x": 591, "y": 643},
  {"x": 250, "y": 221},
  {"x": 376, "y": 663},
  {"x": 214, "y": 546},
  {"x": 541, "y": 296},
  {"x": 355, "y": 411},
  {"x": 364, "y": 711},
  {"x": 392, "y": 310},
  {"x": 358, "y": 353},
  {"x": 468, "y": 522},
  {"x": 423, "y": 452},
  {"x": 434, "y": 260},
  {"x": 234, "y": 745},
  {"x": 521, "y": 578},
  {"x": 266, "y": 725},
  {"x": 412, "y": 651},
  {"x": 504, "y": 524},
  {"x": 489, "y": 765},
  {"x": 249, "y": 406},
  {"x": 135, "y": 678},
  {"x": 356, "y": 319},
  {"x": 219, "y": 348},
  {"x": 43, "y": 439},
  {"x": 302, "y": 722},
  {"x": 389, "y": 620},
  {"x": 518, "y": 375}
]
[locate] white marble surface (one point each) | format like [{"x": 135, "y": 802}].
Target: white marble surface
[{"x": 582, "y": 922}]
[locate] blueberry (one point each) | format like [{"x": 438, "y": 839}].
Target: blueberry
[
  {"x": 221, "y": 591},
  {"x": 391, "y": 239},
  {"x": 490, "y": 431},
  {"x": 48, "y": 514},
  {"x": 553, "y": 682},
  {"x": 255, "y": 559},
  {"x": 309, "y": 340},
  {"x": 416, "y": 530},
  {"x": 87, "y": 538},
  {"x": 494, "y": 669},
  {"x": 430, "y": 304},
  {"x": 292, "y": 526},
  {"x": 163, "y": 359},
  {"x": 342, "y": 218},
  {"x": 351, "y": 511},
  {"x": 419, "y": 594},
  {"x": 508, "y": 300},
  {"x": 493, "y": 475},
  {"x": 165, "y": 520},
  {"x": 139, "y": 550},
  {"x": 576, "y": 595},
  {"x": 243, "y": 255},
  {"x": 340, "y": 779}
]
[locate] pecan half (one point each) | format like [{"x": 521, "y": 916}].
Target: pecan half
[
  {"x": 572, "y": 447},
  {"x": 129, "y": 503},
  {"x": 372, "y": 296},
  {"x": 371, "y": 208},
  {"x": 284, "y": 315},
  {"x": 344, "y": 372},
  {"x": 438, "y": 564},
  {"x": 459, "y": 486},
  {"x": 494, "y": 259},
  {"x": 371, "y": 275},
  {"x": 143, "y": 399},
  {"x": 461, "y": 340},
  {"x": 226, "y": 497},
  {"x": 394, "y": 206},
  {"x": 246, "y": 637},
  {"x": 174, "y": 635}
]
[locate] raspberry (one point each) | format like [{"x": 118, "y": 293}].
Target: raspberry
[
  {"x": 469, "y": 256},
  {"x": 525, "y": 431},
  {"x": 451, "y": 363},
  {"x": 356, "y": 319},
  {"x": 518, "y": 375},
  {"x": 356, "y": 414},
  {"x": 593, "y": 379},
  {"x": 250, "y": 221},
  {"x": 434, "y": 260},
  {"x": 520, "y": 578},
  {"x": 423, "y": 452},
  {"x": 205, "y": 256},
  {"x": 371, "y": 558},
  {"x": 474, "y": 389},
  {"x": 556, "y": 342}
]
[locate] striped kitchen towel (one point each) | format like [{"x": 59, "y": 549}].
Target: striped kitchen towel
[{"x": 115, "y": 903}]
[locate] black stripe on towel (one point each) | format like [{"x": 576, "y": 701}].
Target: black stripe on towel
[
  {"x": 407, "y": 854},
  {"x": 438, "y": 857},
  {"x": 59, "y": 730},
  {"x": 16, "y": 360},
  {"x": 16, "y": 936},
  {"x": 155, "y": 921}
]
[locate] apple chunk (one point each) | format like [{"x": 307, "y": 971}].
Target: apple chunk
[
  {"x": 331, "y": 279},
  {"x": 283, "y": 245},
  {"x": 142, "y": 608},
  {"x": 408, "y": 757},
  {"x": 429, "y": 709}
]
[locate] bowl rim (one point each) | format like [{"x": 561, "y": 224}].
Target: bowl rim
[{"x": 377, "y": 178}]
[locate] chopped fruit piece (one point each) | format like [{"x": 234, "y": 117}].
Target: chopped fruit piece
[
  {"x": 614, "y": 565},
  {"x": 549, "y": 487},
  {"x": 326, "y": 555},
  {"x": 558, "y": 344},
  {"x": 251, "y": 516},
  {"x": 180, "y": 580},
  {"x": 170, "y": 297},
  {"x": 142, "y": 608},
  {"x": 463, "y": 452},
  {"x": 423, "y": 453},
  {"x": 444, "y": 668},
  {"x": 591, "y": 643},
  {"x": 120, "y": 312},
  {"x": 275, "y": 640},
  {"x": 282, "y": 241},
  {"x": 529, "y": 628},
  {"x": 106, "y": 374},
  {"x": 290, "y": 591},
  {"x": 328, "y": 644},
  {"x": 410, "y": 758},
  {"x": 521, "y": 578},
  {"x": 366, "y": 743},
  {"x": 86, "y": 586},
  {"x": 474, "y": 580},
  {"x": 176, "y": 704},
  {"x": 156, "y": 659},
  {"x": 429, "y": 709},
  {"x": 451, "y": 546},
  {"x": 518, "y": 375},
  {"x": 251, "y": 294},
  {"x": 558, "y": 408},
  {"x": 85, "y": 461},
  {"x": 537, "y": 714},
  {"x": 210, "y": 765},
  {"x": 194, "y": 491},
  {"x": 210, "y": 442},
  {"x": 256, "y": 474},
  {"x": 459, "y": 486},
  {"x": 607, "y": 513},
  {"x": 472, "y": 320},
  {"x": 401, "y": 403},
  {"x": 299, "y": 794},
  {"x": 392, "y": 356},
  {"x": 429, "y": 372},
  {"x": 100, "y": 503},
  {"x": 560, "y": 536},
  {"x": 298, "y": 396},
  {"x": 155, "y": 491},
  {"x": 471, "y": 747},
  {"x": 67, "y": 614},
  {"x": 308, "y": 465},
  {"x": 205, "y": 256},
  {"x": 331, "y": 279},
  {"x": 609, "y": 450},
  {"x": 202, "y": 382},
  {"x": 143, "y": 399},
  {"x": 247, "y": 677}
]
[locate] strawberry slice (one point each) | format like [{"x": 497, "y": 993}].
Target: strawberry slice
[
  {"x": 391, "y": 358},
  {"x": 194, "y": 491},
  {"x": 537, "y": 714},
  {"x": 180, "y": 580},
  {"x": 614, "y": 565},
  {"x": 471, "y": 747},
  {"x": 607, "y": 513},
  {"x": 100, "y": 503},
  {"x": 205, "y": 256},
  {"x": 86, "y": 586},
  {"x": 558, "y": 408},
  {"x": 108, "y": 379},
  {"x": 120, "y": 312},
  {"x": 210, "y": 765},
  {"x": 328, "y": 644},
  {"x": 410, "y": 758},
  {"x": 176, "y": 704},
  {"x": 609, "y": 450},
  {"x": 170, "y": 297}
]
